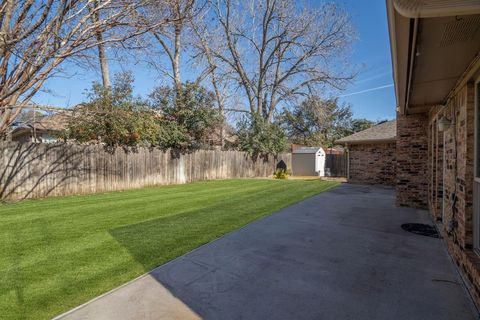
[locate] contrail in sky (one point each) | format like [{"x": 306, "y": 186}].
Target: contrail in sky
[
  {"x": 376, "y": 76},
  {"x": 366, "y": 90}
]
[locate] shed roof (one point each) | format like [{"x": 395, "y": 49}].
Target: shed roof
[
  {"x": 307, "y": 150},
  {"x": 383, "y": 132}
]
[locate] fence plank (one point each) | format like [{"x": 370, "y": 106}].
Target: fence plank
[{"x": 29, "y": 170}]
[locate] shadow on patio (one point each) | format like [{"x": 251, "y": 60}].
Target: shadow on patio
[{"x": 338, "y": 255}]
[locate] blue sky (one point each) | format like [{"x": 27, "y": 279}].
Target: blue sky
[{"x": 371, "y": 55}]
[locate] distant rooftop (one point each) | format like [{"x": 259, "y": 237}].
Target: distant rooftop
[
  {"x": 306, "y": 150},
  {"x": 383, "y": 132},
  {"x": 56, "y": 122}
]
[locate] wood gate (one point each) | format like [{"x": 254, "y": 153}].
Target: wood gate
[{"x": 336, "y": 165}]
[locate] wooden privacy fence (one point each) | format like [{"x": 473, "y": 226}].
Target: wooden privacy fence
[
  {"x": 336, "y": 165},
  {"x": 29, "y": 170}
]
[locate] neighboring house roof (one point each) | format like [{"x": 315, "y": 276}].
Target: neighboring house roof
[
  {"x": 229, "y": 136},
  {"x": 295, "y": 146},
  {"x": 57, "y": 122},
  {"x": 311, "y": 150},
  {"x": 383, "y": 132},
  {"x": 54, "y": 123},
  {"x": 432, "y": 42}
]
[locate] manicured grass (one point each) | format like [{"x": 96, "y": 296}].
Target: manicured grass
[{"x": 60, "y": 252}]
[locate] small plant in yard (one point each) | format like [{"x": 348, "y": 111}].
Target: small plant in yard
[{"x": 280, "y": 173}]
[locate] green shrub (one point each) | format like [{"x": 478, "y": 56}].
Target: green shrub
[
  {"x": 258, "y": 137},
  {"x": 114, "y": 117},
  {"x": 280, "y": 174},
  {"x": 187, "y": 119}
]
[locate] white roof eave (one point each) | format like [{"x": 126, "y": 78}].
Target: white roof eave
[
  {"x": 436, "y": 8},
  {"x": 393, "y": 50},
  {"x": 368, "y": 141},
  {"x": 415, "y": 9}
]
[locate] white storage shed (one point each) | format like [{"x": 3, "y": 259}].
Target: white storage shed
[{"x": 308, "y": 161}]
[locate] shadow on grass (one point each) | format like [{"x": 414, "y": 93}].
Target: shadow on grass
[{"x": 154, "y": 242}]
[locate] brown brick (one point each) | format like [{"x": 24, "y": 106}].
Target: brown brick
[
  {"x": 412, "y": 160},
  {"x": 372, "y": 163}
]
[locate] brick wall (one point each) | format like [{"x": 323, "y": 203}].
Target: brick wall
[
  {"x": 435, "y": 169},
  {"x": 372, "y": 163},
  {"x": 459, "y": 164},
  {"x": 457, "y": 170},
  {"x": 412, "y": 160}
]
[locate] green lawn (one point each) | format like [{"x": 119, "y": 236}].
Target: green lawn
[{"x": 60, "y": 252}]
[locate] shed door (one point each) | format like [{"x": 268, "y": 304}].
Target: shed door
[
  {"x": 318, "y": 156},
  {"x": 476, "y": 183}
]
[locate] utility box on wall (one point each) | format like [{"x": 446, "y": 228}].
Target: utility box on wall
[{"x": 308, "y": 161}]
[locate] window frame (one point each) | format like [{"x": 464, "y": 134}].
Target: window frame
[
  {"x": 476, "y": 173},
  {"x": 476, "y": 169}
]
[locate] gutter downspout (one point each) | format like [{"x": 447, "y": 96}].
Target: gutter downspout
[
  {"x": 347, "y": 153},
  {"x": 411, "y": 62},
  {"x": 393, "y": 48}
]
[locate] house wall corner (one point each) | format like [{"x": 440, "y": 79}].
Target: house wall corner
[{"x": 412, "y": 160}]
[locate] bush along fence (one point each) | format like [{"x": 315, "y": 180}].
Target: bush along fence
[{"x": 29, "y": 170}]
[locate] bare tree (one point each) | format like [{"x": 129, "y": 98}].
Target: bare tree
[
  {"x": 37, "y": 36},
  {"x": 170, "y": 37},
  {"x": 102, "y": 53},
  {"x": 278, "y": 50},
  {"x": 203, "y": 47}
]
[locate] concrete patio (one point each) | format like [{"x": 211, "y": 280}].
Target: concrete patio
[{"x": 338, "y": 255}]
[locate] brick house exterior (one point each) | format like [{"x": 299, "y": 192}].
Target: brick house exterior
[
  {"x": 372, "y": 163},
  {"x": 372, "y": 155},
  {"x": 436, "y": 62},
  {"x": 412, "y": 152}
]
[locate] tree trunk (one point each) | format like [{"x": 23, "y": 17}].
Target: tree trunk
[
  {"x": 5, "y": 28},
  {"x": 102, "y": 54},
  {"x": 8, "y": 114},
  {"x": 176, "y": 60}
]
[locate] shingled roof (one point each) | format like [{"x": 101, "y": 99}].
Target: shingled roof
[
  {"x": 56, "y": 122},
  {"x": 383, "y": 132}
]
